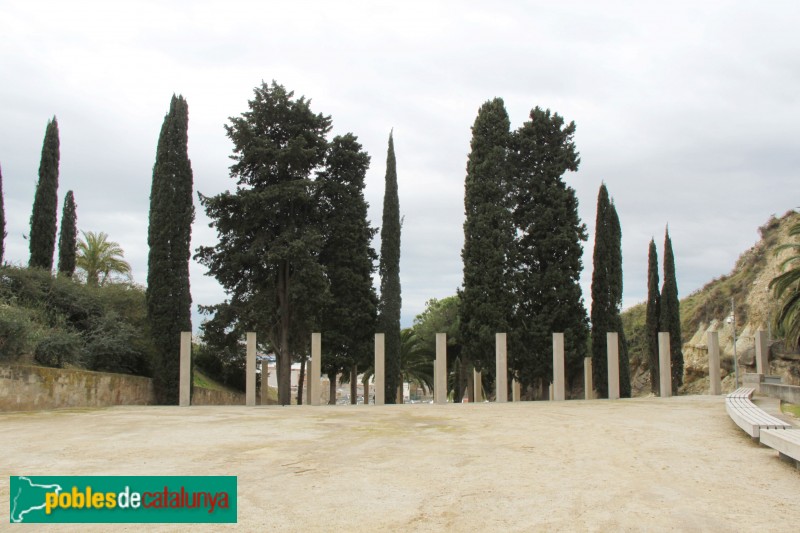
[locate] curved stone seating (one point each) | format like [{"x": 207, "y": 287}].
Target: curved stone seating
[
  {"x": 748, "y": 416},
  {"x": 785, "y": 441}
]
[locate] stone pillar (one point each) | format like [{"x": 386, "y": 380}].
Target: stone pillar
[
  {"x": 612, "y": 350},
  {"x": 664, "y": 365},
  {"x": 715, "y": 385},
  {"x": 558, "y": 367},
  {"x": 185, "y": 388},
  {"x": 264, "y": 381},
  {"x": 380, "y": 369},
  {"x": 762, "y": 353},
  {"x": 516, "y": 391},
  {"x": 250, "y": 365},
  {"x": 440, "y": 376},
  {"x": 588, "y": 387},
  {"x": 501, "y": 368},
  {"x": 315, "y": 375},
  {"x": 477, "y": 386}
]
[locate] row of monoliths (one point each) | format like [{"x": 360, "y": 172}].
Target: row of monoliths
[{"x": 558, "y": 387}]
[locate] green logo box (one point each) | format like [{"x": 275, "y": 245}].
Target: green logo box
[{"x": 123, "y": 499}]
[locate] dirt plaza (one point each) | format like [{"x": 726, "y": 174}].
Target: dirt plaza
[{"x": 676, "y": 464}]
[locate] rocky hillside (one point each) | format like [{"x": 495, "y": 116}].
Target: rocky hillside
[{"x": 709, "y": 309}]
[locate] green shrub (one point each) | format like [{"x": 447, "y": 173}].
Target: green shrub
[
  {"x": 59, "y": 349},
  {"x": 16, "y": 333},
  {"x": 61, "y": 321},
  {"x": 112, "y": 346}
]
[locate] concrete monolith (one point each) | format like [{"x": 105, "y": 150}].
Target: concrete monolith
[
  {"x": 440, "y": 383},
  {"x": 664, "y": 365},
  {"x": 612, "y": 349},
  {"x": 587, "y": 378},
  {"x": 501, "y": 368},
  {"x": 558, "y": 367},
  {"x": 380, "y": 369},
  {"x": 762, "y": 353},
  {"x": 477, "y": 386},
  {"x": 185, "y": 388},
  {"x": 714, "y": 383},
  {"x": 316, "y": 369},
  {"x": 250, "y": 366},
  {"x": 516, "y": 391}
]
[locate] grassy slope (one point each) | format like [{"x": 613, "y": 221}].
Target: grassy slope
[{"x": 203, "y": 381}]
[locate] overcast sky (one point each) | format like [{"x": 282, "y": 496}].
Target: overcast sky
[{"x": 689, "y": 112}]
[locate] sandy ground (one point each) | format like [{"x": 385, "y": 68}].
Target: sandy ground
[{"x": 677, "y": 464}]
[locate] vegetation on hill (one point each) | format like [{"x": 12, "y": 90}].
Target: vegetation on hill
[
  {"x": 55, "y": 321},
  {"x": 743, "y": 286}
]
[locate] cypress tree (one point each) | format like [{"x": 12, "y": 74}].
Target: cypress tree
[
  {"x": 348, "y": 321},
  {"x": 653, "y": 314},
  {"x": 607, "y": 295},
  {"x": 42, "y": 239},
  {"x": 671, "y": 314},
  {"x": 616, "y": 298},
  {"x": 169, "y": 233},
  {"x": 545, "y": 261},
  {"x": 389, "y": 269},
  {"x": 3, "y": 233},
  {"x": 485, "y": 303},
  {"x": 68, "y": 237}
]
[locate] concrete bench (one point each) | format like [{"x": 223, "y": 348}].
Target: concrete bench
[
  {"x": 785, "y": 441},
  {"x": 748, "y": 416}
]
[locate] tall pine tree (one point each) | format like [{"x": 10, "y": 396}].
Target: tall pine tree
[
  {"x": 545, "y": 262},
  {"x": 2, "y": 221},
  {"x": 389, "y": 269},
  {"x": 68, "y": 237},
  {"x": 485, "y": 300},
  {"x": 42, "y": 239},
  {"x": 267, "y": 258},
  {"x": 607, "y": 295},
  {"x": 652, "y": 317},
  {"x": 168, "y": 297},
  {"x": 671, "y": 314},
  {"x": 348, "y": 322}
]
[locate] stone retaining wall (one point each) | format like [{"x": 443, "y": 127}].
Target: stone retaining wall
[
  {"x": 33, "y": 388},
  {"x": 787, "y": 393},
  {"x": 202, "y": 396},
  {"x": 30, "y": 388}
]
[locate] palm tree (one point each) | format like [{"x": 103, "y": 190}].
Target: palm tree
[
  {"x": 416, "y": 360},
  {"x": 99, "y": 257},
  {"x": 416, "y": 363},
  {"x": 786, "y": 286}
]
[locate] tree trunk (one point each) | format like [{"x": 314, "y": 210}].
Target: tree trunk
[
  {"x": 332, "y": 393},
  {"x": 365, "y": 383},
  {"x": 400, "y": 393},
  {"x": 301, "y": 380},
  {"x": 354, "y": 385}
]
